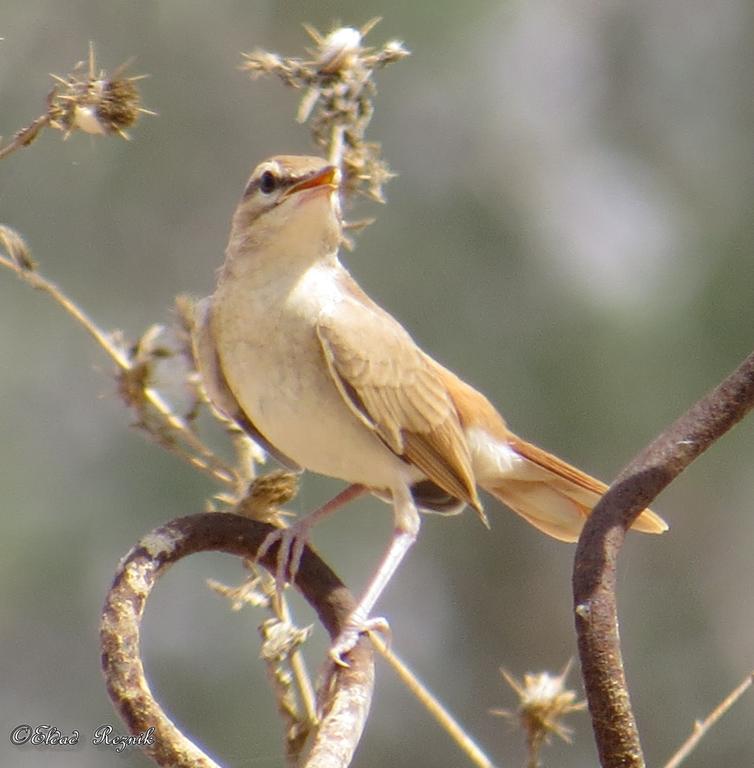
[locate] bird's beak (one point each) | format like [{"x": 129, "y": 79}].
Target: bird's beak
[{"x": 325, "y": 177}]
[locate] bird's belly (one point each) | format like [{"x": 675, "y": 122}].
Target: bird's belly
[{"x": 280, "y": 378}]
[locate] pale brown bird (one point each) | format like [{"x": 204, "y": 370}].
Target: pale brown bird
[{"x": 292, "y": 349}]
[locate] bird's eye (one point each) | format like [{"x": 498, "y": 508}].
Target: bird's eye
[{"x": 268, "y": 182}]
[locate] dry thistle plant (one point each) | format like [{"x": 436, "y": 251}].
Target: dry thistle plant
[
  {"x": 338, "y": 100},
  {"x": 95, "y": 103},
  {"x": 137, "y": 367},
  {"x": 155, "y": 377},
  {"x": 543, "y": 701},
  {"x": 88, "y": 100},
  {"x": 281, "y": 642}
]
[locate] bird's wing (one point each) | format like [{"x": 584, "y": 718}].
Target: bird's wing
[
  {"x": 387, "y": 382},
  {"x": 215, "y": 385}
]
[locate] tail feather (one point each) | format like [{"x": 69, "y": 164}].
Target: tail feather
[
  {"x": 550, "y": 494},
  {"x": 545, "y": 508},
  {"x": 556, "y": 513}
]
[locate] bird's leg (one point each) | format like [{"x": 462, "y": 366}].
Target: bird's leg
[
  {"x": 294, "y": 538},
  {"x": 404, "y": 535}
]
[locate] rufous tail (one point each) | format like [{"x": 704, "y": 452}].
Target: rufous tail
[{"x": 554, "y": 496}]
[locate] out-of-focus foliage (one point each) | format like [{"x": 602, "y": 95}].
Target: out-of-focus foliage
[{"x": 571, "y": 230}]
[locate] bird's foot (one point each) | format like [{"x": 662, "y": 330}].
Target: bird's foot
[
  {"x": 349, "y": 635},
  {"x": 291, "y": 542}
]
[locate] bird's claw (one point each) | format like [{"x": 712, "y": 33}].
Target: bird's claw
[
  {"x": 291, "y": 542},
  {"x": 349, "y": 636}
]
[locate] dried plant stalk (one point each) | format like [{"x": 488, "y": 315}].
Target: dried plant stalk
[
  {"x": 169, "y": 429},
  {"x": 702, "y": 728},
  {"x": 434, "y": 707}
]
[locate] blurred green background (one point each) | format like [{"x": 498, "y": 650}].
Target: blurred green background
[{"x": 571, "y": 231}]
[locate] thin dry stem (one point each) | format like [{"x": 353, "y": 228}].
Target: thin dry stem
[
  {"x": 25, "y": 136},
  {"x": 280, "y": 640},
  {"x": 335, "y": 151},
  {"x": 203, "y": 458},
  {"x": 701, "y": 728},
  {"x": 435, "y": 708},
  {"x": 298, "y": 664},
  {"x": 281, "y": 653},
  {"x": 263, "y": 502}
]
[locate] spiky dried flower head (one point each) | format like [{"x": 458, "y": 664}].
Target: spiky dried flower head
[
  {"x": 543, "y": 701},
  {"x": 95, "y": 102},
  {"x": 338, "y": 50},
  {"x": 281, "y": 638},
  {"x": 338, "y": 99},
  {"x": 266, "y": 495}
]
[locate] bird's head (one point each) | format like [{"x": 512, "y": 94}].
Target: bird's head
[{"x": 290, "y": 196}]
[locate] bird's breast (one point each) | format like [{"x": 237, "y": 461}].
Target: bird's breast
[{"x": 273, "y": 362}]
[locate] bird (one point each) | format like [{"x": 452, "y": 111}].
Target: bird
[{"x": 292, "y": 349}]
